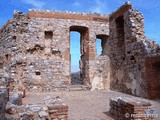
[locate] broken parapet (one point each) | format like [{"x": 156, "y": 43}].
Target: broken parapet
[
  {"x": 33, "y": 13},
  {"x": 52, "y": 109},
  {"x": 7, "y": 94},
  {"x": 26, "y": 112},
  {"x": 57, "y": 109},
  {"x": 152, "y": 48},
  {"x": 123, "y": 108},
  {"x": 121, "y": 10},
  {"x": 67, "y": 12},
  {"x": 7, "y": 84}
]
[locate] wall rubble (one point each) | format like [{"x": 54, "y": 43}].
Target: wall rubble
[
  {"x": 130, "y": 109},
  {"x": 52, "y": 109}
]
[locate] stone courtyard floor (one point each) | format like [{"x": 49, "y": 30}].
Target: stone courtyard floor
[{"x": 87, "y": 105}]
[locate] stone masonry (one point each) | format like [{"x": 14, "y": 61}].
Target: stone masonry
[
  {"x": 11, "y": 107},
  {"x": 3, "y": 102},
  {"x": 129, "y": 52},
  {"x": 35, "y": 51},
  {"x": 123, "y": 108},
  {"x": 52, "y": 109}
]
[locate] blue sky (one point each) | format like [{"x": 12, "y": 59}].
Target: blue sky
[{"x": 149, "y": 8}]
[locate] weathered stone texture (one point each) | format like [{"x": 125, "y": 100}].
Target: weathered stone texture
[
  {"x": 3, "y": 102},
  {"x": 128, "y": 52},
  {"x": 15, "y": 98},
  {"x": 41, "y": 59},
  {"x": 153, "y": 76},
  {"x": 35, "y": 50},
  {"x": 11, "y": 107},
  {"x": 53, "y": 109},
  {"x": 101, "y": 72},
  {"x": 130, "y": 109}
]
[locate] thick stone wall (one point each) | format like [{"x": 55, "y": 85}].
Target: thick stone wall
[
  {"x": 35, "y": 50},
  {"x": 39, "y": 51},
  {"x": 3, "y": 102},
  {"x": 128, "y": 52},
  {"x": 6, "y": 43},
  {"x": 153, "y": 76},
  {"x": 130, "y": 109},
  {"x": 101, "y": 72},
  {"x": 131, "y": 54},
  {"x": 52, "y": 109}
]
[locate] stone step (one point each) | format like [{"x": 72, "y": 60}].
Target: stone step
[{"x": 78, "y": 87}]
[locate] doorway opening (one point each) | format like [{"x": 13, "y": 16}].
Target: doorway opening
[
  {"x": 75, "y": 57},
  {"x": 78, "y": 54}
]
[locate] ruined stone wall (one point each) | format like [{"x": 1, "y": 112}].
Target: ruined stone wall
[
  {"x": 130, "y": 109},
  {"x": 101, "y": 73},
  {"x": 6, "y": 44},
  {"x": 152, "y": 48},
  {"x": 152, "y": 63},
  {"x": 128, "y": 52},
  {"x": 52, "y": 109},
  {"x": 153, "y": 76},
  {"x": 132, "y": 54},
  {"x": 35, "y": 50},
  {"x": 3, "y": 102},
  {"x": 40, "y": 52}
]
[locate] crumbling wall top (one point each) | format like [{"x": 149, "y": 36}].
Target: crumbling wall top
[
  {"x": 67, "y": 12},
  {"x": 152, "y": 48},
  {"x": 120, "y": 11},
  {"x": 6, "y": 25},
  {"x": 34, "y": 13}
]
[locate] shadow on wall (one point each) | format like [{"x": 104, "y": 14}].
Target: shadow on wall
[
  {"x": 75, "y": 78},
  {"x": 153, "y": 76}
]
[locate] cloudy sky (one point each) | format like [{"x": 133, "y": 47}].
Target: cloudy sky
[{"x": 149, "y": 8}]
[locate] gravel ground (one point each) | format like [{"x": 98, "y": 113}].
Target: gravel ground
[{"x": 87, "y": 105}]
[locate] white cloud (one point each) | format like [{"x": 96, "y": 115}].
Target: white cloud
[
  {"x": 100, "y": 7},
  {"x": 35, "y": 3}
]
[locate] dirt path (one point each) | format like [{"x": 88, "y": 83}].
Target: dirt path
[{"x": 86, "y": 105}]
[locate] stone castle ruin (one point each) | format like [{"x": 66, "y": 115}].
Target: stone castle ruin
[{"x": 35, "y": 51}]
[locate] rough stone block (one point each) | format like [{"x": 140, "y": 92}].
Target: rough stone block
[
  {"x": 3, "y": 102},
  {"x": 15, "y": 98}
]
